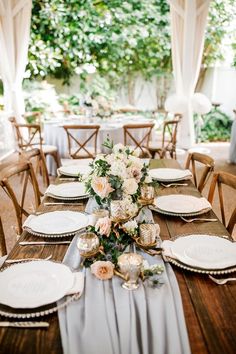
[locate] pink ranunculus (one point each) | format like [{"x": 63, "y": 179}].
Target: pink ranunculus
[
  {"x": 103, "y": 270},
  {"x": 103, "y": 226},
  {"x": 101, "y": 186}
]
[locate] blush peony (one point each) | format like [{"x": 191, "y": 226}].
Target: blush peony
[
  {"x": 102, "y": 270},
  {"x": 101, "y": 186}
]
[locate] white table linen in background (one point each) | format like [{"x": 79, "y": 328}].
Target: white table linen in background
[
  {"x": 232, "y": 149},
  {"x": 54, "y": 134}
]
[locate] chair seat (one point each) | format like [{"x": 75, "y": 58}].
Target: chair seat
[
  {"x": 154, "y": 145},
  {"x": 82, "y": 153},
  {"x": 48, "y": 148}
]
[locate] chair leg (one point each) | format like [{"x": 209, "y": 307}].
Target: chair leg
[{"x": 56, "y": 158}]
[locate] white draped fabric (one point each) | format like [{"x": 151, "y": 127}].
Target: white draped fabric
[
  {"x": 188, "y": 22},
  {"x": 15, "y": 16}
]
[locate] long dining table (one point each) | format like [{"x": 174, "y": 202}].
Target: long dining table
[{"x": 209, "y": 309}]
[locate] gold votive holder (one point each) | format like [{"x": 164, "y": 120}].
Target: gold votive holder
[
  {"x": 88, "y": 244},
  {"x": 148, "y": 234},
  {"x": 98, "y": 214},
  {"x": 130, "y": 266},
  {"x": 147, "y": 194},
  {"x": 117, "y": 210}
]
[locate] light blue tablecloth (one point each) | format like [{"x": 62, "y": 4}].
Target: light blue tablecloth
[{"x": 108, "y": 319}]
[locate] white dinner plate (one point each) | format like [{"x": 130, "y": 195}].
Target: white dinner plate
[
  {"x": 169, "y": 174},
  {"x": 74, "y": 170},
  {"x": 71, "y": 190},
  {"x": 56, "y": 222},
  {"x": 180, "y": 204},
  {"x": 34, "y": 284},
  {"x": 204, "y": 251}
]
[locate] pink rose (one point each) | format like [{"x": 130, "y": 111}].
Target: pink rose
[
  {"x": 101, "y": 186},
  {"x": 102, "y": 270},
  {"x": 103, "y": 226}
]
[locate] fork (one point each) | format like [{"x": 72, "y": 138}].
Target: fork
[
  {"x": 221, "y": 281},
  {"x": 173, "y": 184},
  {"x": 197, "y": 219}
]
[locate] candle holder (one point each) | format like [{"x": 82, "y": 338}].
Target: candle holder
[
  {"x": 130, "y": 266},
  {"x": 147, "y": 194},
  {"x": 98, "y": 214},
  {"x": 88, "y": 244},
  {"x": 117, "y": 210},
  {"x": 148, "y": 234}
]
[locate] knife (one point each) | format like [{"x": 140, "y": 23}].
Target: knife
[
  {"x": 25, "y": 243},
  {"x": 27, "y": 324},
  {"x": 61, "y": 203}
]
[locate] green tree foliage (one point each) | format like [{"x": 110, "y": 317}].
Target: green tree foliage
[{"x": 116, "y": 38}]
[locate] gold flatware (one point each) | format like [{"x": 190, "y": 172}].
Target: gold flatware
[
  {"x": 198, "y": 219},
  {"x": 25, "y": 324},
  {"x": 10, "y": 261},
  {"x": 68, "y": 179},
  {"x": 61, "y": 203},
  {"x": 221, "y": 281},
  {"x": 173, "y": 184},
  {"x": 43, "y": 243}
]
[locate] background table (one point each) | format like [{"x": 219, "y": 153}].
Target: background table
[
  {"x": 111, "y": 128},
  {"x": 210, "y": 309}
]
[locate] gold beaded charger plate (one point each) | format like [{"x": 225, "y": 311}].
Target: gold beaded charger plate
[
  {"x": 74, "y": 170},
  {"x": 209, "y": 254},
  {"x": 30, "y": 289},
  {"x": 169, "y": 174},
  {"x": 181, "y": 205},
  {"x": 56, "y": 223},
  {"x": 67, "y": 191}
]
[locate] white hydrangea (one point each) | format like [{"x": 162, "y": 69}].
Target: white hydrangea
[
  {"x": 148, "y": 179},
  {"x": 131, "y": 227},
  {"x": 118, "y": 148},
  {"x": 118, "y": 168}
]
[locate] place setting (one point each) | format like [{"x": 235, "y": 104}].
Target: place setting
[
  {"x": 172, "y": 176},
  {"x": 54, "y": 224},
  {"x": 73, "y": 172},
  {"x": 201, "y": 253},
  {"x": 66, "y": 192},
  {"x": 34, "y": 289},
  {"x": 182, "y": 205}
]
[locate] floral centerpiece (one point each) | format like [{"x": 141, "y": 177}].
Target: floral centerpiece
[
  {"x": 119, "y": 175},
  {"x": 116, "y": 177}
]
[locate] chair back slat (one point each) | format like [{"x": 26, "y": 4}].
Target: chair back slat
[
  {"x": 82, "y": 147},
  {"x": 3, "y": 248},
  {"x": 209, "y": 165},
  {"x": 132, "y": 133},
  {"x": 25, "y": 169},
  {"x": 220, "y": 179}
]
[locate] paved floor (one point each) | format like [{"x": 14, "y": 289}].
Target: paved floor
[{"x": 219, "y": 151}]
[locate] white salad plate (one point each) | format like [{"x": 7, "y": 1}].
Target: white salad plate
[
  {"x": 170, "y": 174},
  {"x": 182, "y": 205},
  {"x": 56, "y": 223},
  {"x": 34, "y": 284},
  {"x": 71, "y": 190},
  {"x": 204, "y": 251},
  {"x": 74, "y": 170}
]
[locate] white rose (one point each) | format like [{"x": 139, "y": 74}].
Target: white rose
[
  {"x": 131, "y": 227},
  {"x": 118, "y": 148},
  {"x": 148, "y": 179},
  {"x": 130, "y": 186}
]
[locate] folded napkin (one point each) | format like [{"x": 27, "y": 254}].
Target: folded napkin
[
  {"x": 78, "y": 285},
  {"x": 166, "y": 250},
  {"x": 179, "y": 203},
  {"x": 28, "y": 220}
]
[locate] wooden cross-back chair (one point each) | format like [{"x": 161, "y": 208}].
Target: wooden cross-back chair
[
  {"x": 82, "y": 140},
  {"x": 168, "y": 140},
  {"x": 205, "y": 160},
  {"x": 37, "y": 154},
  {"x": 219, "y": 179},
  {"x": 138, "y": 136},
  {"x": 33, "y": 139},
  {"x": 17, "y": 196},
  {"x": 3, "y": 248}
]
